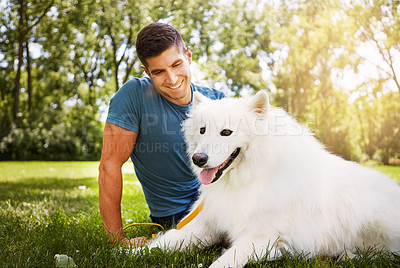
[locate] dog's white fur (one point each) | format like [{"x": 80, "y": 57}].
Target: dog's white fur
[{"x": 284, "y": 192}]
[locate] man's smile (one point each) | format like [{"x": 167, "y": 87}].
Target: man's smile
[{"x": 175, "y": 87}]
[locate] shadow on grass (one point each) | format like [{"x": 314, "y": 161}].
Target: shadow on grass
[
  {"x": 42, "y": 184},
  {"x": 70, "y": 195},
  {"x": 47, "y": 183}
]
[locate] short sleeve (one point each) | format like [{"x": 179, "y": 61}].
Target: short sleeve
[{"x": 124, "y": 108}]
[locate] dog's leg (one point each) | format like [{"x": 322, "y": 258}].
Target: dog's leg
[
  {"x": 174, "y": 240},
  {"x": 244, "y": 250},
  {"x": 195, "y": 233},
  {"x": 237, "y": 255}
]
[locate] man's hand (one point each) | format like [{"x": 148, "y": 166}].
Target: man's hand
[{"x": 134, "y": 242}]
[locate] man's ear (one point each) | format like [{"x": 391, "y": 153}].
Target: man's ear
[
  {"x": 189, "y": 54},
  {"x": 145, "y": 69},
  {"x": 259, "y": 103},
  {"x": 198, "y": 98}
]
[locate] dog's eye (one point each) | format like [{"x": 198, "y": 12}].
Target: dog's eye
[
  {"x": 226, "y": 132},
  {"x": 202, "y": 130}
]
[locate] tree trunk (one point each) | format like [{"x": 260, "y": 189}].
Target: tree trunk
[
  {"x": 116, "y": 75},
  {"x": 28, "y": 66},
  {"x": 17, "y": 89}
]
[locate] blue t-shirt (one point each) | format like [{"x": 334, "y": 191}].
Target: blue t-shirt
[{"x": 159, "y": 156}]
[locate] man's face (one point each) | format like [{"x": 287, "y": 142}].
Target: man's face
[{"x": 170, "y": 72}]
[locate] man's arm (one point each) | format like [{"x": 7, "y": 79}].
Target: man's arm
[{"x": 118, "y": 144}]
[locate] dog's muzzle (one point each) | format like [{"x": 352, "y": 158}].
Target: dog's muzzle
[{"x": 210, "y": 175}]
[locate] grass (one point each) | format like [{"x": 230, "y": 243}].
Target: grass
[{"x": 49, "y": 208}]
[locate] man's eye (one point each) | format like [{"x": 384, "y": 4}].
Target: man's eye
[
  {"x": 202, "y": 130},
  {"x": 156, "y": 72},
  {"x": 176, "y": 65},
  {"x": 226, "y": 132}
]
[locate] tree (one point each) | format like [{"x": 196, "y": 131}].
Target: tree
[
  {"x": 27, "y": 20},
  {"x": 241, "y": 35},
  {"x": 377, "y": 24},
  {"x": 118, "y": 24},
  {"x": 312, "y": 41},
  {"x": 7, "y": 75},
  {"x": 87, "y": 51},
  {"x": 379, "y": 118}
]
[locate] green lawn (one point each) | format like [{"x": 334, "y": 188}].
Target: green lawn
[{"x": 49, "y": 208}]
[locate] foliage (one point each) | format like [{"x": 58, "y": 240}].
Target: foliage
[
  {"x": 339, "y": 136},
  {"x": 381, "y": 125},
  {"x": 240, "y": 34},
  {"x": 49, "y": 208},
  {"x": 316, "y": 45},
  {"x": 77, "y": 137},
  {"x": 61, "y": 62},
  {"x": 377, "y": 25}
]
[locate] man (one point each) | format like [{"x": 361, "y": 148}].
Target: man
[{"x": 144, "y": 123}]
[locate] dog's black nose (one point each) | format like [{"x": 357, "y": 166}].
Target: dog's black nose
[{"x": 199, "y": 159}]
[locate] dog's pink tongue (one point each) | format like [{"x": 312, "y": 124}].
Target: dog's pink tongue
[{"x": 207, "y": 175}]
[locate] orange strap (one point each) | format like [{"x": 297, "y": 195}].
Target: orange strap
[
  {"x": 145, "y": 223},
  {"x": 191, "y": 216}
]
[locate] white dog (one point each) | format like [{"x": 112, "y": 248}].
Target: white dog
[{"x": 270, "y": 187}]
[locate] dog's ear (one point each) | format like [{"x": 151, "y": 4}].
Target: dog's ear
[
  {"x": 259, "y": 103},
  {"x": 198, "y": 98}
]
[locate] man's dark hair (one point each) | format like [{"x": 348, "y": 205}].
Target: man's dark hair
[{"x": 155, "y": 38}]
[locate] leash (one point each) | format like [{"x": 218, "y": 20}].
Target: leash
[
  {"x": 179, "y": 226},
  {"x": 145, "y": 223}
]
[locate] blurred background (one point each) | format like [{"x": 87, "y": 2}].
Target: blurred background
[{"x": 333, "y": 65}]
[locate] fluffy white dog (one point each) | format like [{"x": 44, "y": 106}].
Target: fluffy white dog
[{"x": 270, "y": 187}]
